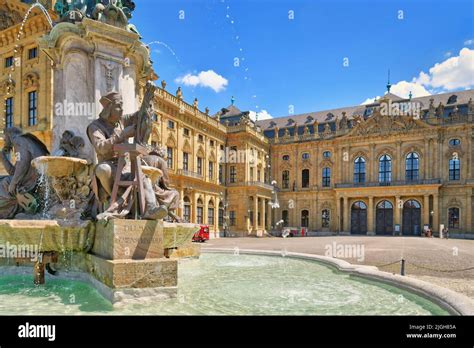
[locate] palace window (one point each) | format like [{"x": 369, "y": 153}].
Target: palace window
[
  {"x": 210, "y": 214},
  {"x": 385, "y": 169},
  {"x": 221, "y": 174},
  {"x": 32, "y": 108},
  {"x": 170, "y": 124},
  {"x": 200, "y": 210},
  {"x": 221, "y": 214},
  {"x": 305, "y": 155},
  {"x": 327, "y": 154},
  {"x": 305, "y": 178},
  {"x": 286, "y": 157},
  {"x": 359, "y": 170},
  {"x": 284, "y": 217},
  {"x": 454, "y": 142},
  {"x": 169, "y": 153},
  {"x": 304, "y": 218},
  {"x": 454, "y": 169},
  {"x": 185, "y": 161},
  {"x": 8, "y": 62},
  {"x": 187, "y": 209},
  {"x": 233, "y": 174},
  {"x": 251, "y": 174},
  {"x": 412, "y": 166},
  {"x": 453, "y": 217},
  {"x": 452, "y": 99},
  {"x": 186, "y": 132},
  {"x": 211, "y": 143},
  {"x": 199, "y": 165},
  {"x": 9, "y": 112},
  {"x": 285, "y": 179},
  {"x": 325, "y": 218},
  {"x": 326, "y": 177},
  {"x": 211, "y": 170},
  {"x": 200, "y": 138},
  {"x": 33, "y": 53},
  {"x": 232, "y": 218}
]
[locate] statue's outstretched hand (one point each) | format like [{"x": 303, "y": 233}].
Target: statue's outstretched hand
[{"x": 128, "y": 132}]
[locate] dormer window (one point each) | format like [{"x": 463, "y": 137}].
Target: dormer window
[
  {"x": 452, "y": 99},
  {"x": 291, "y": 121},
  {"x": 309, "y": 119},
  {"x": 272, "y": 124}
]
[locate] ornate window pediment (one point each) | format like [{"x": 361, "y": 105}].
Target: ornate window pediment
[
  {"x": 171, "y": 142},
  {"x": 7, "y": 87},
  {"x": 31, "y": 80},
  {"x": 386, "y": 151},
  {"x": 359, "y": 154}
]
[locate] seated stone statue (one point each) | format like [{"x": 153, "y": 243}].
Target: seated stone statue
[
  {"x": 111, "y": 128},
  {"x": 164, "y": 194},
  {"x": 16, "y": 188}
]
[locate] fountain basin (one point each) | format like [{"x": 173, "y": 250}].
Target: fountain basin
[
  {"x": 55, "y": 166},
  {"x": 47, "y": 235}
]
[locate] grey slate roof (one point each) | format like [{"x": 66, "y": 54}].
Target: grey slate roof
[{"x": 351, "y": 111}]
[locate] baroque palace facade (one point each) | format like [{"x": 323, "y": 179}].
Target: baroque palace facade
[{"x": 353, "y": 170}]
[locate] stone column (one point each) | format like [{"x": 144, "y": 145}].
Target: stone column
[
  {"x": 216, "y": 217},
  {"x": 400, "y": 163},
  {"x": 181, "y": 203},
  {"x": 396, "y": 217},
  {"x": 338, "y": 214},
  {"x": 426, "y": 210},
  {"x": 370, "y": 217},
  {"x": 255, "y": 214},
  {"x": 468, "y": 209},
  {"x": 346, "y": 214},
  {"x": 372, "y": 165},
  {"x": 436, "y": 212},
  {"x": 262, "y": 215},
  {"x": 194, "y": 207},
  {"x": 205, "y": 208},
  {"x": 268, "y": 215}
]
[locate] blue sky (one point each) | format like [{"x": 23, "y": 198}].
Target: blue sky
[{"x": 323, "y": 55}]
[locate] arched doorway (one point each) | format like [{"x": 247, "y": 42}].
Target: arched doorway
[
  {"x": 359, "y": 218},
  {"x": 384, "y": 218},
  {"x": 411, "y": 225}
]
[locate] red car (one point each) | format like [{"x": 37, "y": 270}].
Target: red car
[{"x": 202, "y": 235}]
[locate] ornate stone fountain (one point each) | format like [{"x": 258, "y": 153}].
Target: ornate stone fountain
[{"x": 120, "y": 257}]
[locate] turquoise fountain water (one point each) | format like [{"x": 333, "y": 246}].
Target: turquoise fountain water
[{"x": 225, "y": 284}]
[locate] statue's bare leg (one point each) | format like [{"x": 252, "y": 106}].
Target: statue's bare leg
[
  {"x": 153, "y": 210},
  {"x": 104, "y": 174}
]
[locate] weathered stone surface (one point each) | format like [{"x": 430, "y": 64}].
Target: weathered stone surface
[
  {"x": 177, "y": 235},
  {"x": 129, "y": 239},
  {"x": 189, "y": 249},
  {"x": 48, "y": 235},
  {"x": 149, "y": 273}
]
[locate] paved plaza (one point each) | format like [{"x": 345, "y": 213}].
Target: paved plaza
[{"x": 439, "y": 261}]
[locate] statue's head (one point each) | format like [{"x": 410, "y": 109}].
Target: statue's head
[
  {"x": 113, "y": 107},
  {"x": 9, "y": 135}
]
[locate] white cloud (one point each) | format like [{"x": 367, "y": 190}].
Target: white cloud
[
  {"x": 448, "y": 54},
  {"x": 453, "y": 73},
  {"x": 262, "y": 115},
  {"x": 469, "y": 42},
  {"x": 370, "y": 100},
  {"x": 207, "y": 78}
]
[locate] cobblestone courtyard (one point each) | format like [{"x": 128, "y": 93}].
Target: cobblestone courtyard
[{"x": 439, "y": 261}]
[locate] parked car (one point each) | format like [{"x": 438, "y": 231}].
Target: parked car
[{"x": 202, "y": 235}]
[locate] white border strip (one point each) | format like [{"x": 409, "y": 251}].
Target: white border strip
[{"x": 453, "y": 302}]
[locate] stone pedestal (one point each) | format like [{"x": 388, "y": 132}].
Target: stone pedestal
[{"x": 128, "y": 259}]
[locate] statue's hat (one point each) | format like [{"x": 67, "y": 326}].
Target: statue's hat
[{"x": 113, "y": 97}]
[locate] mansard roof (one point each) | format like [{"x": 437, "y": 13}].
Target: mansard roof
[{"x": 360, "y": 110}]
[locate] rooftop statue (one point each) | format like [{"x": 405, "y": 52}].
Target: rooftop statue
[{"x": 17, "y": 189}]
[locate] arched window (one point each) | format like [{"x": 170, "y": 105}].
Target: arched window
[
  {"x": 453, "y": 217},
  {"x": 326, "y": 177},
  {"x": 200, "y": 210},
  {"x": 454, "y": 142},
  {"x": 412, "y": 166},
  {"x": 210, "y": 213},
  {"x": 325, "y": 218},
  {"x": 327, "y": 154},
  {"x": 284, "y": 217},
  {"x": 305, "y": 155},
  {"x": 286, "y": 157},
  {"x": 385, "y": 169},
  {"x": 454, "y": 169},
  {"x": 285, "y": 179},
  {"x": 186, "y": 209},
  {"x": 305, "y": 178},
  {"x": 359, "y": 170},
  {"x": 304, "y": 218}
]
